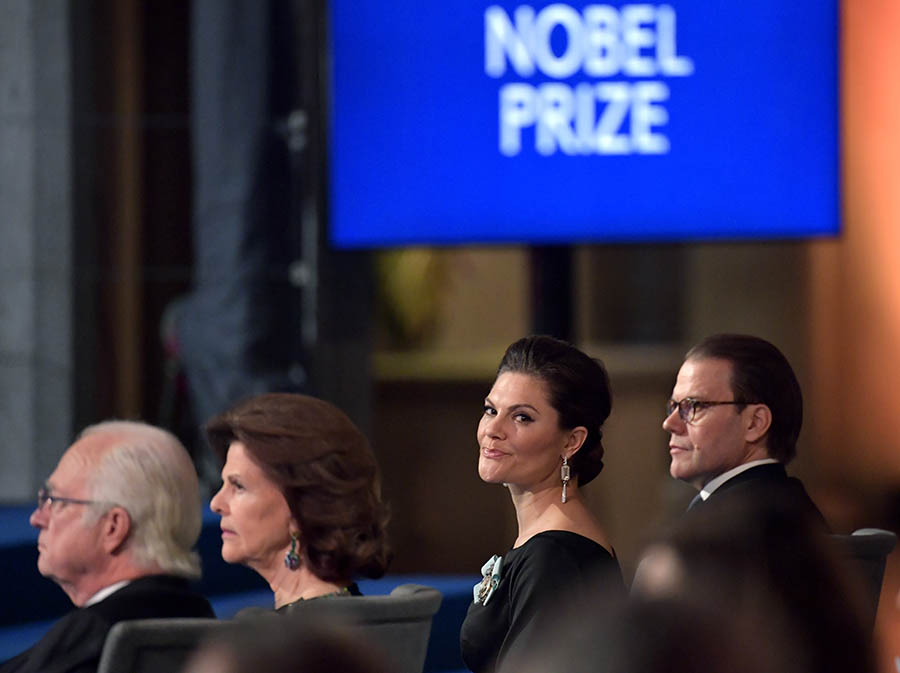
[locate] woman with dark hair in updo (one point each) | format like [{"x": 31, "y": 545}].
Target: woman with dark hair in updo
[
  {"x": 300, "y": 503},
  {"x": 539, "y": 436}
]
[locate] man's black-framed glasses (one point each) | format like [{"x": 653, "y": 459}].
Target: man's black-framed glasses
[
  {"x": 688, "y": 407},
  {"x": 44, "y": 496}
]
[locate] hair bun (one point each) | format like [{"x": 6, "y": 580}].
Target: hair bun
[{"x": 590, "y": 462}]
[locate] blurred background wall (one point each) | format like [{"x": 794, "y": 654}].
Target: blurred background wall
[{"x": 96, "y": 198}]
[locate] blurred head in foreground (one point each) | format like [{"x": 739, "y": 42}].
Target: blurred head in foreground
[
  {"x": 288, "y": 645},
  {"x": 663, "y": 635},
  {"x": 769, "y": 566}
]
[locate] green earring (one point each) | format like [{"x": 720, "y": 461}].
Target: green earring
[{"x": 292, "y": 559}]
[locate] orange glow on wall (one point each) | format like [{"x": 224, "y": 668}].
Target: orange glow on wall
[{"x": 855, "y": 287}]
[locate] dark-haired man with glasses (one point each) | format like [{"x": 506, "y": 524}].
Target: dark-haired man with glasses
[
  {"x": 118, "y": 519},
  {"x": 733, "y": 419}
]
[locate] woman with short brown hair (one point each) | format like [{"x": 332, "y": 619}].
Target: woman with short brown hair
[{"x": 300, "y": 503}]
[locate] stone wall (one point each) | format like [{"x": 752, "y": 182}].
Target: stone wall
[{"x": 36, "y": 366}]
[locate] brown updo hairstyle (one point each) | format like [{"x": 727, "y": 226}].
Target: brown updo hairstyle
[
  {"x": 327, "y": 472},
  {"x": 579, "y": 391}
]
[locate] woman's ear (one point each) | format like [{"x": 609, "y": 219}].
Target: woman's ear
[
  {"x": 575, "y": 441},
  {"x": 294, "y": 527}
]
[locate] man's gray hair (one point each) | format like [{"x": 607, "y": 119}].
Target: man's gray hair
[{"x": 148, "y": 472}]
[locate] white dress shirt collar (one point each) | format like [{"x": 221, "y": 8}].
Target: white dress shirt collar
[
  {"x": 713, "y": 484},
  {"x": 105, "y": 592}
]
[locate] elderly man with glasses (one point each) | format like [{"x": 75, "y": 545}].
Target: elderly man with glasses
[
  {"x": 733, "y": 419},
  {"x": 118, "y": 519}
]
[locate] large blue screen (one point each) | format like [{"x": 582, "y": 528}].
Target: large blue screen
[{"x": 476, "y": 121}]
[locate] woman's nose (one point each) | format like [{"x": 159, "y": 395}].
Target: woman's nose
[
  {"x": 216, "y": 504},
  {"x": 493, "y": 426}
]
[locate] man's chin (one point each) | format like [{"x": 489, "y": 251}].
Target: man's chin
[
  {"x": 673, "y": 470},
  {"x": 47, "y": 573},
  {"x": 680, "y": 472}
]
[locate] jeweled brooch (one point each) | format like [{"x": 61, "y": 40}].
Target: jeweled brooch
[{"x": 490, "y": 572}]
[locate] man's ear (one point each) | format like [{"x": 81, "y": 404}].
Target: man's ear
[
  {"x": 116, "y": 528},
  {"x": 758, "y": 423},
  {"x": 575, "y": 441}
]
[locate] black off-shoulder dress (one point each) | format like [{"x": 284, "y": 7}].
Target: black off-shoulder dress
[{"x": 539, "y": 581}]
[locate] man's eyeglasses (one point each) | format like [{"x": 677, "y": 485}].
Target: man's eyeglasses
[
  {"x": 688, "y": 407},
  {"x": 44, "y": 497}
]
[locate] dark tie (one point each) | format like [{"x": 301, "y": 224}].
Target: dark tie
[{"x": 696, "y": 501}]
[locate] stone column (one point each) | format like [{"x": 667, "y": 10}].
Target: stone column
[{"x": 36, "y": 368}]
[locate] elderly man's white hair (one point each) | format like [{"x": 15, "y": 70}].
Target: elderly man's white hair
[{"x": 148, "y": 472}]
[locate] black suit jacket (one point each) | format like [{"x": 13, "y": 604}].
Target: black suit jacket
[
  {"x": 75, "y": 642},
  {"x": 765, "y": 483}
]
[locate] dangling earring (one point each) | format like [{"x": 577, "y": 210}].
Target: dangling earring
[
  {"x": 564, "y": 475},
  {"x": 292, "y": 559}
]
